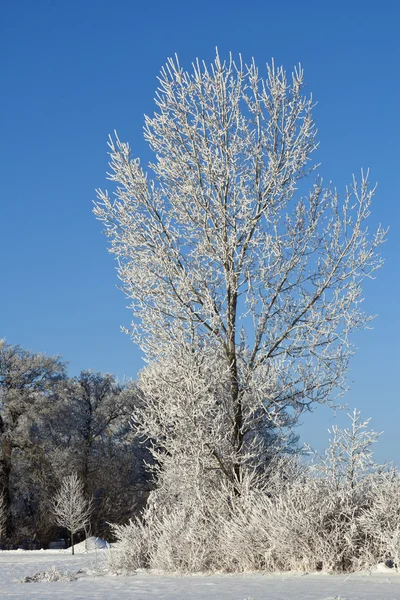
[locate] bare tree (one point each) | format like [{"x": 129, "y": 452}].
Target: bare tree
[
  {"x": 70, "y": 507},
  {"x": 218, "y": 250},
  {"x": 99, "y": 406}
]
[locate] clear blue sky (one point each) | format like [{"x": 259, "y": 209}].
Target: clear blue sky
[{"x": 73, "y": 71}]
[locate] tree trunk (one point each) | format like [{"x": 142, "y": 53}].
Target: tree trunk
[
  {"x": 235, "y": 389},
  {"x": 5, "y": 475}
]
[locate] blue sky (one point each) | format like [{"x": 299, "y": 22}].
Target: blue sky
[{"x": 74, "y": 71}]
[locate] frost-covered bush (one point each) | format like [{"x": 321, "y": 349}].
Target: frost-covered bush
[
  {"x": 315, "y": 523},
  {"x": 243, "y": 531},
  {"x": 53, "y": 574},
  {"x": 133, "y": 548},
  {"x": 182, "y": 541},
  {"x": 311, "y": 528},
  {"x": 226, "y": 529},
  {"x": 380, "y": 522},
  {"x": 185, "y": 536},
  {"x": 340, "y": 513},
  {"x": 173, "y": 541}
]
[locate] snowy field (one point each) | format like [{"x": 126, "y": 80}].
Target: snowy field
[{"x": 15, "y": 565}]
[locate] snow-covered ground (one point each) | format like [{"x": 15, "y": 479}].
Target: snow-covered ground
[{"x": 14, "y": 565}]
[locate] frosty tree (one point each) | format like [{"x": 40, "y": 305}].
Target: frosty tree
[
  {"x": 70, "y": 507},
  {"x": 29, "y": 383},
  {"x": 219, "y": 252},
  {"x": 99, "y": 404},
  {"x": 349, "y": 457}
]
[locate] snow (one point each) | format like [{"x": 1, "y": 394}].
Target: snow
[
  {"x": 14, "y": 565},
  {"x": 91, "y": 543}
]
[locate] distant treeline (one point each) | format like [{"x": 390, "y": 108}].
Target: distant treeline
[{"x": 51, "y": 426}]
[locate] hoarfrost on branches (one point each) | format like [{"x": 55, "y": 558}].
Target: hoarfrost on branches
[
  {"x": 186, "y": 411},
  {"x": 70, "y": 507},
  {"x": 340, "y": 517},
  {"x": 350, "y": 453},
  {"x": 29, "y": 383},
  {"x": 218, "y": 251}
]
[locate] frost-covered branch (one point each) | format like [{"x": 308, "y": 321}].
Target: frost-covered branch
[
  {"x": 217, "y": 249},
  {"x": 70, "y": 507}
]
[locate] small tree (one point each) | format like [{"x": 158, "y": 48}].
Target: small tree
[
  {"x": 70, "y": 506},
  {"x": 349, "y": 457}
]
